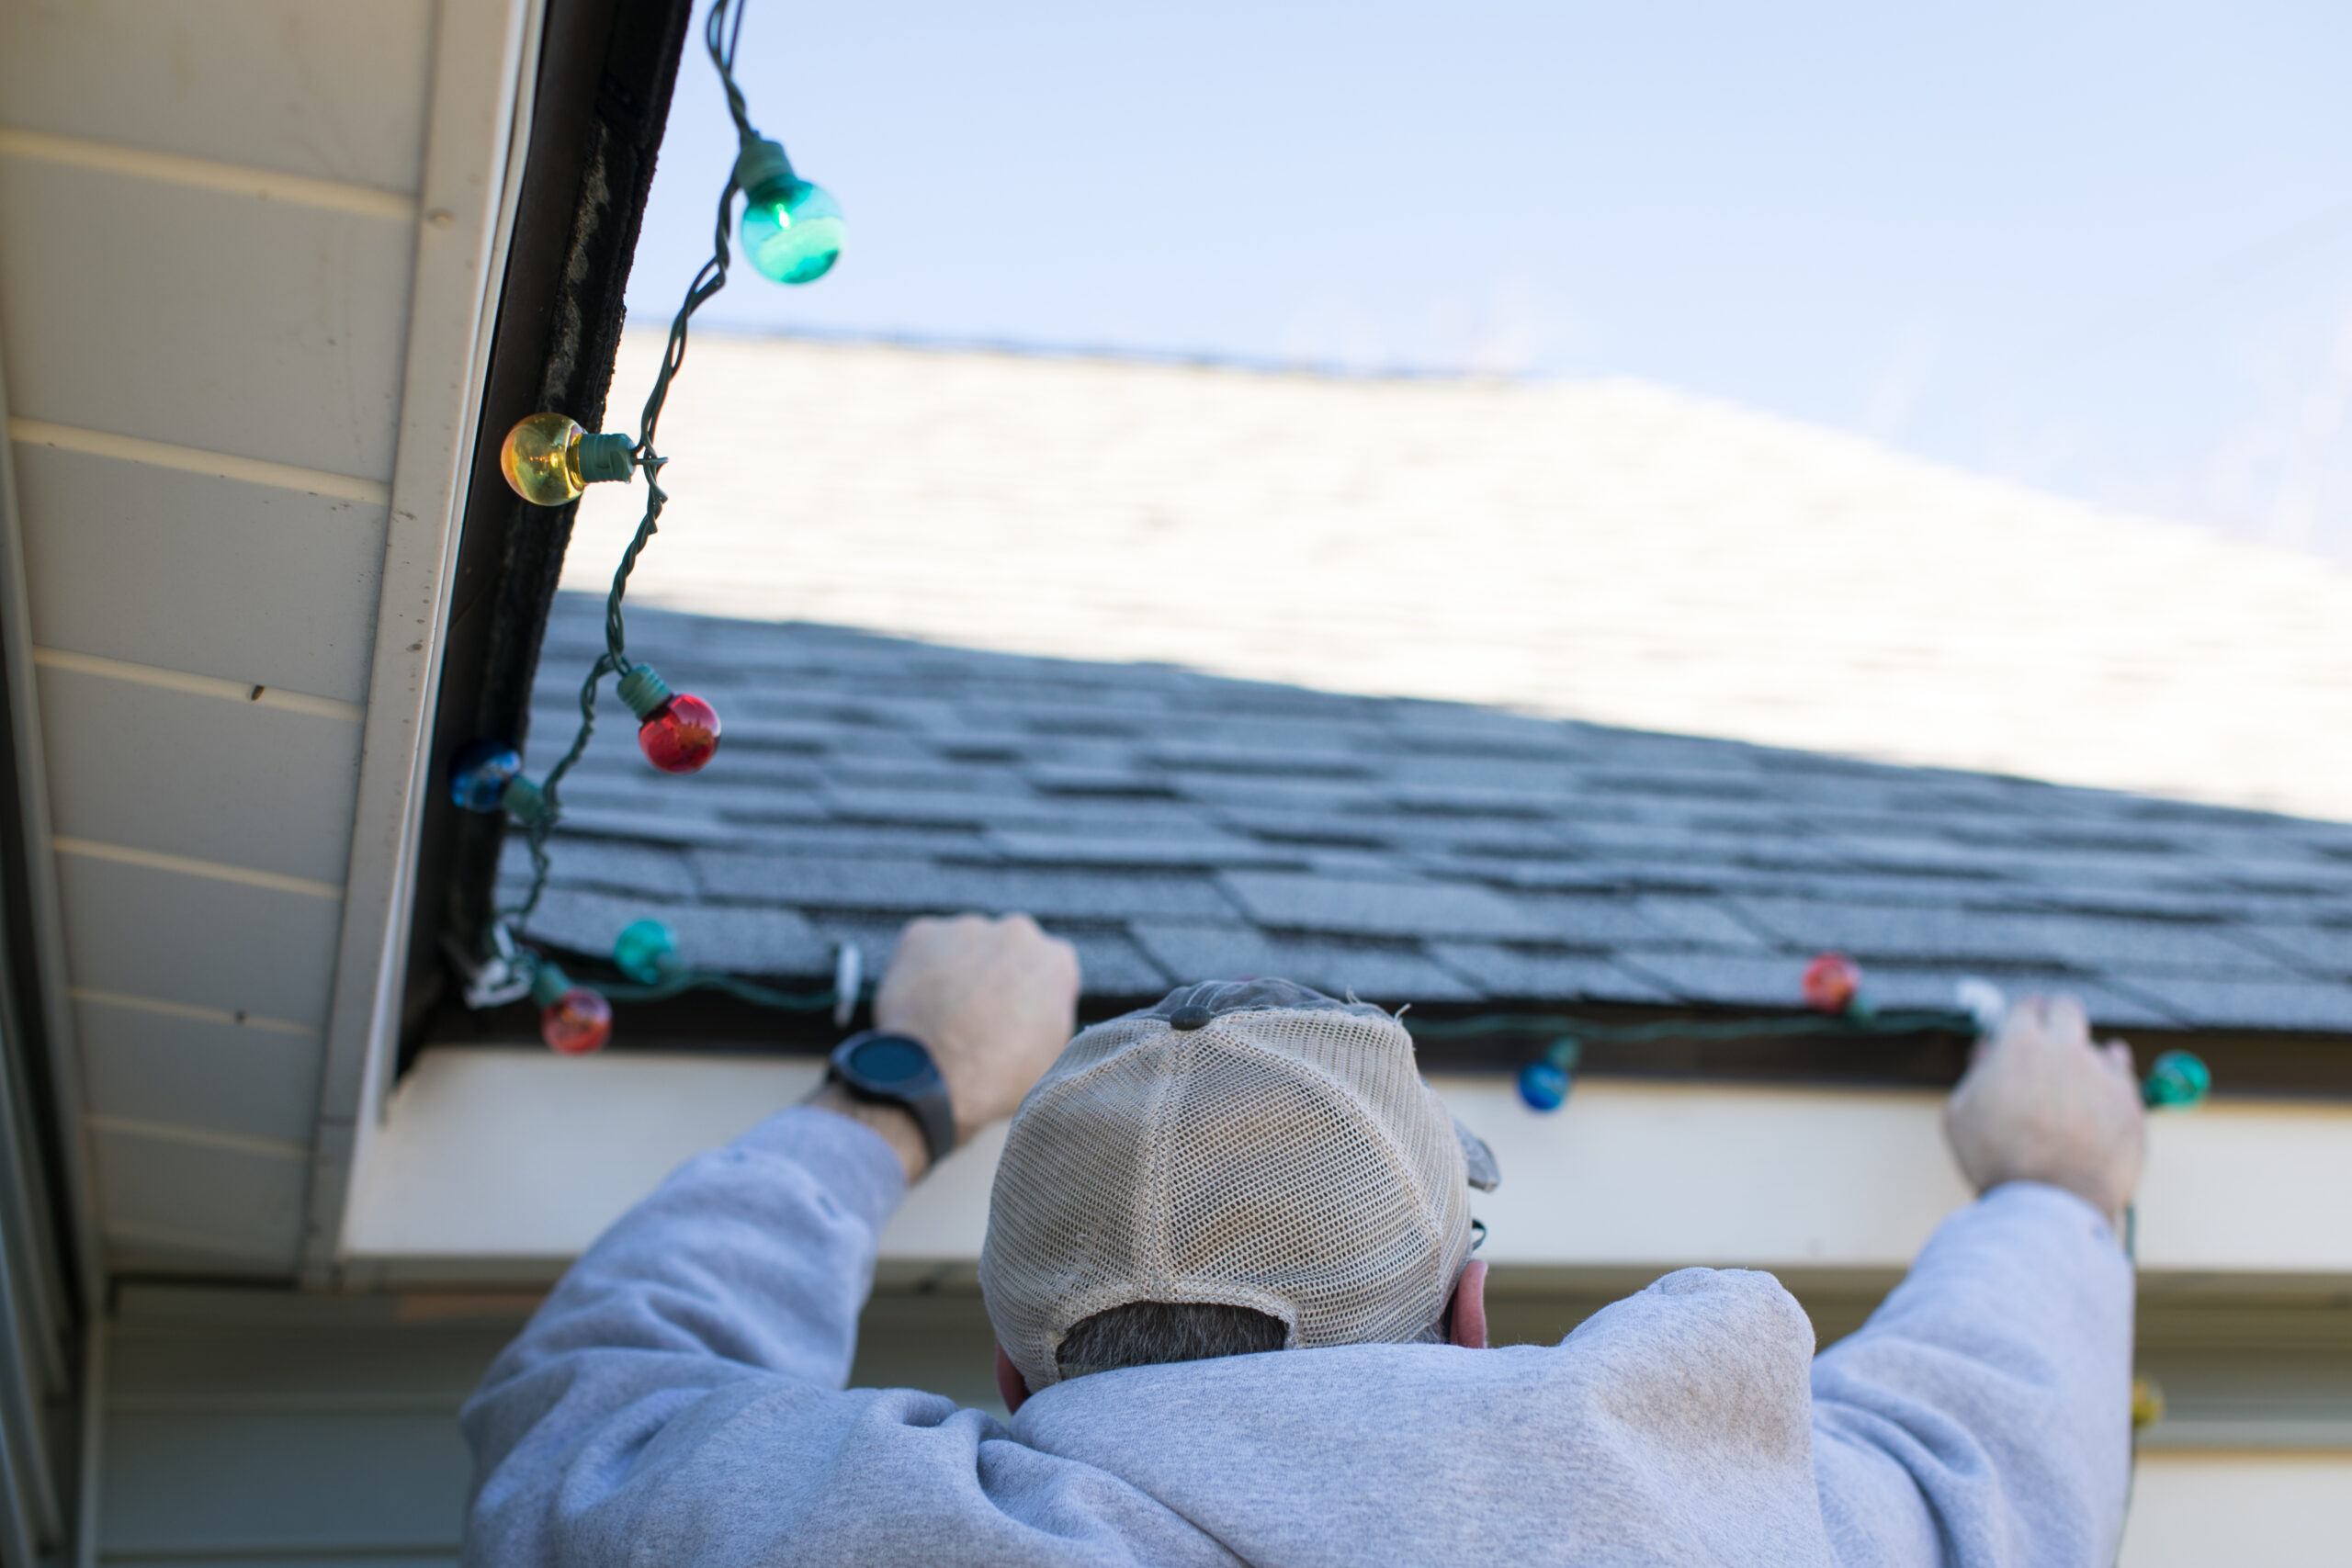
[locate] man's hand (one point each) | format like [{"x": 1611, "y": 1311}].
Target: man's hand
[
  {"x": 996, "y": 1001},
  {"x": 2041, "y": 1103}
]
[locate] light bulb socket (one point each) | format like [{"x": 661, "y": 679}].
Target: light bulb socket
[
  {"x": 761, "y": 166},
  {"x": 525, "y": 801},
  {"x": 603, "y": 459},
  {"x": 549, "y": 983},
  {"x": 645, "y": 692}
]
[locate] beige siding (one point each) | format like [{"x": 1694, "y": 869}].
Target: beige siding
[
  {"x": 249, "y": 1427},
  {"x": 243, "y": 250},
  {"x": 175, "y": 1197},
  {"x": 144, "y": 1061},
  {"x": 330, "y": 92},
  {"x": 205, "y": 936},
  {"x": 253, "y": 323},
  {"x": 2281, "y": 1510},
  {"x": 291, "y": 817},
  {"x": 90, "y": 506}
]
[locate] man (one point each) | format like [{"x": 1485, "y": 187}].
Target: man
[{"x": 1229, "y": 1263}]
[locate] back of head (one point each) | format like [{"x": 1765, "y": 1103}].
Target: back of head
[{"x": 1246, "y": 1166}]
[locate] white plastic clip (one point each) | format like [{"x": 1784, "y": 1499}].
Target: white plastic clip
[
  {"x": 1982, "y": 1000},
  {"x": 849, "y": 975},
  {"x": 505, "y": 977}
]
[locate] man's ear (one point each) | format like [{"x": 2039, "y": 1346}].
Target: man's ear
[
  {"x": 1010, "y": 1384},
  {"x": 1466, "y": 1312}
]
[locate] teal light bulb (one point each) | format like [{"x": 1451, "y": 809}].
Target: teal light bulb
[
  {"x": 2176, "y": 1081},
  {"x": 792, "y": 230},
  {"x": 645, "y": 951}
]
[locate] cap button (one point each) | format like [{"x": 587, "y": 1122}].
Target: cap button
[{"x": 1192, "y": 1015}]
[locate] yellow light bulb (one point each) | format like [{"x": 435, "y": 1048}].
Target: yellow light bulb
[
  {"x": 551, "y": 461},
  {"x": 2147, "y": 1404},
  {"x": 541, "y": 459}
]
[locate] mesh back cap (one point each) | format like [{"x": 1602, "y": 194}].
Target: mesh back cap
[{"x": 1251, "y": 1143}]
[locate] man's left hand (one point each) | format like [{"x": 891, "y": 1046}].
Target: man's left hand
[{"x": 995, "y": 999}]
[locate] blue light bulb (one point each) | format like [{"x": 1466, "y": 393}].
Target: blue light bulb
[
  {"x": 479, "y": 774},
  {"x": 1543, "y": 1085}
]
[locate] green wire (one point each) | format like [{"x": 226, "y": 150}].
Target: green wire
[{"x": 742, "y": 990}]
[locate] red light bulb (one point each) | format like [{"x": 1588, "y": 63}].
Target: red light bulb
[
  {"x": 576, "y": 1022},
  {"x": 681, "y": 735},
  {"x": 1832, "y": 981}
]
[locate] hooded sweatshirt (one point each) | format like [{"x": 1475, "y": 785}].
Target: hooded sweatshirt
[{"x": 678, "y": 1399}]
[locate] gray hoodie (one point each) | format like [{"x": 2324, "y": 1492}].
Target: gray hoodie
[{"x": 679, "y": 1400}]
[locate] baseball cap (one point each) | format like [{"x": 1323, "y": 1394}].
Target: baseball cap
[{"x": 1252, "y": 1143}]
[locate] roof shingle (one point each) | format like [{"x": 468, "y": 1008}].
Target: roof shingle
[{"x": 1179, "y": 827}]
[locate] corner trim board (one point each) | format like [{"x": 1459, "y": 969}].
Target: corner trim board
[{"x": 483, "y": 59}]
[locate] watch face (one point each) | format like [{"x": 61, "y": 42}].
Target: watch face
[{"x": 890, "y": 1061}]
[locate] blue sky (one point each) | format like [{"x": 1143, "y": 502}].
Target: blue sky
[{"x": 2099, "y": 248}]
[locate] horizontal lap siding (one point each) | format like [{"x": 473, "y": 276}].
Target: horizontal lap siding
[
  {"x": 215, "y": 778},
  {"x": 330, "y": 92},
  {"x": 171, "y": 1201},
  {"x": 140, "y": 931},
  {"x": 208, "y": 243},
  {"x": 339, "y": 1483},
  {"x": 159, "y": 566},
  {"x": 242, "y": 1426},
  {"x": 256, "y": 328},
  {"x": 142, "y": 1061}
]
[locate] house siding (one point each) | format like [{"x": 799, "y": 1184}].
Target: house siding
[{"x": 245, "y": 247}]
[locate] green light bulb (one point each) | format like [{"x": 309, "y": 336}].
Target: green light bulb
[{"x": 792, "y": 230}]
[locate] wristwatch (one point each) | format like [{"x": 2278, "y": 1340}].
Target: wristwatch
[{"x": 896, "y": 1069}]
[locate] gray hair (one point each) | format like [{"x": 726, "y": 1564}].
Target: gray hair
[{"x": 1146, "y": 1334}]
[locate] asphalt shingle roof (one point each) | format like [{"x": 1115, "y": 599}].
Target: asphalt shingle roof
[{"x": 1180, "y": 826}]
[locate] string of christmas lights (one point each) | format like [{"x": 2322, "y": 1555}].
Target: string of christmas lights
[
  {"x": 792, "y": 233},
  {"x": 1838, "y": 1007}
]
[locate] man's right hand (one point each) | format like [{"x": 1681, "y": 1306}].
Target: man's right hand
[{"x": 2041, "y": 1103}]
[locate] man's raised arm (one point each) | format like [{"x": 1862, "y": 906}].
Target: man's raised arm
[
  {"x": 679, "y": 1398},
  {"x": 1982, "y": 1417}
]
